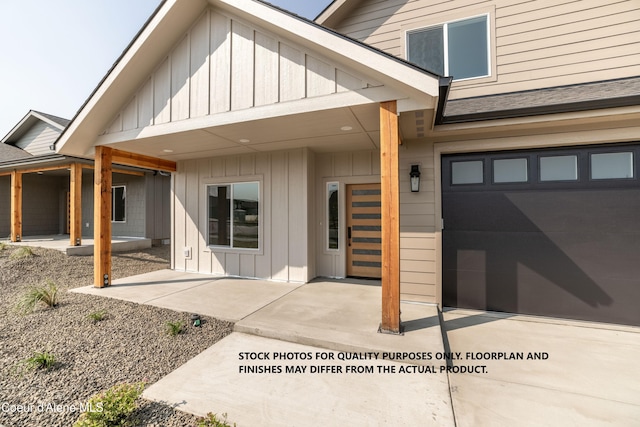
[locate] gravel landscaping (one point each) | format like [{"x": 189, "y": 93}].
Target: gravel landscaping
[{"x": 129, "y": 345}]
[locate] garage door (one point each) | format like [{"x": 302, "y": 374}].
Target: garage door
[{"x": 552, "y": 232}]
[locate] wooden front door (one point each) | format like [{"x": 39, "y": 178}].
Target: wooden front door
[{"x": 364, "y": 231}]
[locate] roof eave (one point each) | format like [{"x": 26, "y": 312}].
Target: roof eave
[
  {"x": 20, "y": 129},
  {"x": 571, "y": 107}
]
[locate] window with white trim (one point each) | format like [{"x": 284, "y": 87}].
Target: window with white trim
[
  {"x": 118, "y": 203},
  {"x": 233, "y": 215},
  {"x": 458, "y": 48}
]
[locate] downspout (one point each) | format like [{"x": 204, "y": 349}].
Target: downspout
[{"x": 444, "y": 86}]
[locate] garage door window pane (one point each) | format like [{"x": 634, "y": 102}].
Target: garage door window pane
[
  {"x": 611, "y": 165},
  {"x": 510, "y": 170},
  {"x": 471, "y": 172},
  {"x": 559, "y": 168}
]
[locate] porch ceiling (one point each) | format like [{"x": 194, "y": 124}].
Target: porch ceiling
[{"x": 339, "y": 129}]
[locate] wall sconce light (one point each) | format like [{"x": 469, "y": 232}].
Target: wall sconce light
[{"x": 415, "y": 178}]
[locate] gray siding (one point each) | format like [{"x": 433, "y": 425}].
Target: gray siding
[
  {"x": 41, "y": 204},
  {"x": 5, "y": 206},
  {"x": 284, "y": 253},
  {"x": 37, "y": 140},
  {"x": 135, "y": 225},
  {"x": 158, "y": 202}
]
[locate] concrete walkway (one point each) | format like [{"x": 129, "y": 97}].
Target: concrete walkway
[
  {"x": 327, "y": 320},
  {"x": 60, "y": 242},
  {"x": 586, "y": 373}
]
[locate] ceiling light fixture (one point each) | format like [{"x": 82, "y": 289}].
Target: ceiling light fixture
[
  {"x": 244, "y": 140},
  {"x": 346, "y": 128},
  {"x": 166, "y": 150}
]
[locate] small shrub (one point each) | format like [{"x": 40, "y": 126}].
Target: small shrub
[
  {"x": 212, "y": 420},
  {"x": 174, "y": 328},
  {"x": 98, "y": 316},
  {"x": 112, "y": 407},
  {"x": 22, "y": 252},
  {"x": 41, "y": 360},
  {"x": 2, "y": 246},
  {"x": 48, "y": 295}
]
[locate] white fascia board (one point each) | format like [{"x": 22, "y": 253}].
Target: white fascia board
[
  {"x": 360, "y": 58},
  {"x": 47, "y": 120},
  {"x": 329, "y": 11},
  {"x": 81, "y": 133}
]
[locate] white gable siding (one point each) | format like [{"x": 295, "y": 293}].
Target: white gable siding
[
  {"x": 537, "y": 44},
  {"x": 38, "y": 139},
  {"x": 224, "y": 64}
]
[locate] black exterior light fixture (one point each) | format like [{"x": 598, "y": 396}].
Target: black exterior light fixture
[
  {"x": 195, "y": 320},
  {"x": 415, "y": 178}
]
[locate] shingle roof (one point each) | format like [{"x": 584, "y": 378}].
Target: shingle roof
[
  {"x": 578, "y": 97},
  {"x": 9, "y": 153},
  {"x": 58, "y": 120}
]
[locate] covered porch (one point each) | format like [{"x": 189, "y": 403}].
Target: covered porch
[
  {"x": 339, "y": 315},
  {"x": 60, "y": 242}
]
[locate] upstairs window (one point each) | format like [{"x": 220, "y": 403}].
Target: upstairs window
[{"x": 458, "y": 48}]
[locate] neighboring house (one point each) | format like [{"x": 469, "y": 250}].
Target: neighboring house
[
  {"x": 285, "y": 136},
  {"x": 141, "y": 205}
]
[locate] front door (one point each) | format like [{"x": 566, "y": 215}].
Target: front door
[{"x": 364, "y": 231}]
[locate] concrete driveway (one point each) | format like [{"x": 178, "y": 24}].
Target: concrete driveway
[{"x": 590, "y": 378}]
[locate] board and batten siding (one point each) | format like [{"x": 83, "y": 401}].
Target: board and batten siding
[
  {"x": 417, "y": 215},
  {"x": 286, "y": 199},
  {"x": 538, "y": 44},
  {"x": 223, "y": 64},
  {"x": 38, "y": 139}
]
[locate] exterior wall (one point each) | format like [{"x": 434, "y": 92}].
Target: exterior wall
[
  {"x": 284, "y": 206},
  {"x": 38, "y": 139},
  {"x": 5, "y": 206},
  {"x": 196, "y": 78},
  {"x": 41, "y": 204},
  {"x": 418, "y": 225},
  {"x": 361, "y": 167},
  {"x": 136, "y": 214},
  {"x": 158, "y": 201},
  {"x": 417, "y": 215},
  {"x": 535, "y": 44}
]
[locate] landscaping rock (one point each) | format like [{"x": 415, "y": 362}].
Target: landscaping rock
[{"x": 129, "y": 345}]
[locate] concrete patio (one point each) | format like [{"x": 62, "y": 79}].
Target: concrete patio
[
  {"x": 60, "y": 242},
  {"x": 590, "y": 377}
]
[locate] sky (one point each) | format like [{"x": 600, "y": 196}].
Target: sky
[{"x": 53, "y": 53}]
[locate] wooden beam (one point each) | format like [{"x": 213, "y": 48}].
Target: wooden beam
[
  {"x": 139, "y": 160},
  {"x": 75, "y": 185},
  {"x": 16, "y": 206},
  {"x": 390, "y": 189},
  {"x": 102, "y": 218},
  {"x": 39, "y": 169},
  {"x": 114, "y": 170}
]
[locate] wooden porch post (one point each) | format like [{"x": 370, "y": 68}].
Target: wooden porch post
[
  {"x": 16, "y": 206},
  {"x": 102, "y": 218},
  {"x": 390, "y": 188},
  {"x": 76, "y": 205}
]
